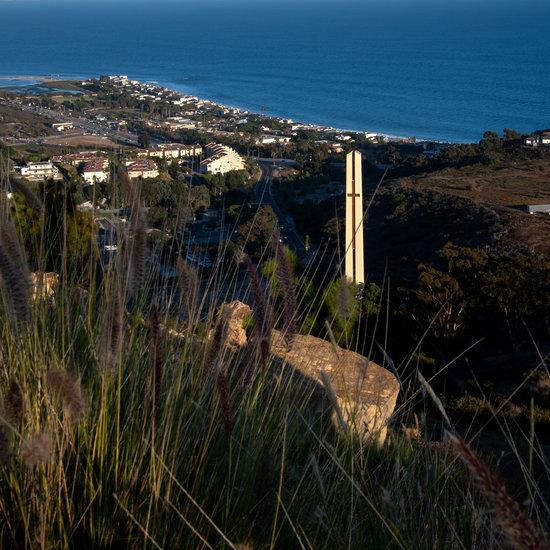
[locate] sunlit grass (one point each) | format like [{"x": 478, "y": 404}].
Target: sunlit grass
[{"x": 117, "y": 432}]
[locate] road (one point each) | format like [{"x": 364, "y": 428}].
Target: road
[{"x": 263, "y": 194}]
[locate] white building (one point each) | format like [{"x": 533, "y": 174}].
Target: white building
[
  {"x": 173, "y": 125},
  {"x": 269, "y": 140},
  {"x": 37, "y": 171},
  {"x": 121, "y": 79},
  {"x": 538, "y": 140},
  {"x": 62, "y": 126},
  {"x": 538, "y": 208},
  {"x": 221, "y": 160},
  {"x": 171, "y": 151},
  {"x": 142, "y": 168},
  {"x": 95, "y": 171}
]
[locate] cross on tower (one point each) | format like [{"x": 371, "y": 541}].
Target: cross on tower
[{"x": 354, "y": 260}]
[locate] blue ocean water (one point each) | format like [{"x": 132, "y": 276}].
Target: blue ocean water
[{"x": 442, "y": 70}]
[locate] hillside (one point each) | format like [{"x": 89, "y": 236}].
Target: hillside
[{"x": 505, "y": 189}]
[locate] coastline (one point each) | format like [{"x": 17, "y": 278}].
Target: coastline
[
  {"x": 37, "y": 80},
  {"x": 171, "y": 86}
]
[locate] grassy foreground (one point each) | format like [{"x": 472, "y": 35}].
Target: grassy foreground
[{"x": 124, "y": 424}]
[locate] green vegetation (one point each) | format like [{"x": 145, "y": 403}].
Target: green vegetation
[
  {"x": 218, "y": 183},
  {"x": 57, "y": 236},
  {"x": 124, "y": 426}
]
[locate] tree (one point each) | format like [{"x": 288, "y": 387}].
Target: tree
[
  {"x": 62, "y": 236},
  {"x": 501, "y": 291},
  {"x": 144, "y": 140},
  {"x": 371, "y": 299},
  {"x": 393, "y": 155},
  {"x": 491, "y": 137},
  {"x": 511, "y": 135},
  {"x": 198, "y": 198},
  {"x": 215, "y": 183},
  {"x": 159, "y": 193},
  {"x": 257, "y": 231},
  {"x": 438, "y": 302}
]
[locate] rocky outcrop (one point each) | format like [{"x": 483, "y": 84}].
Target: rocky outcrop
[
  {"x": 234, "y": 315},
  {"x": 361, "y": 395},
  {"x": 364, "y": 394}
]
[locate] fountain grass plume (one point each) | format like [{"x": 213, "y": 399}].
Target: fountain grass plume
[
  {"x": 67, "y": 390},
  {"x": 14, "y": 271},
  {"x": 5, "y": 445},
  {"x": 136, "y": 252},
  {"x": 188, "y": 284},
  {"x": 216, "y": 341},
  {"x": 517, "y": 529},
  {"x": 111, "y": 331},
  {"x": 262, "y": 317},
  {"x": 343, "y": 300},
  {"x": 37, "y": 449},
  {"x": 14, "y": 403},
  {"x": 290, "y": 303}
]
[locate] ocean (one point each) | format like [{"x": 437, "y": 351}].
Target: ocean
[{"x": 444, "y": 70}]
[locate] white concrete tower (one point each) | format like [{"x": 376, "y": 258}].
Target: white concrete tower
[{"x": 355, "y": 267}]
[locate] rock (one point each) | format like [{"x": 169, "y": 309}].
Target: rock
[
  {"x": 361, "y": 394},
  {"x": 365, "y": 393},
  {"x": 44, "y": 284},
  {"x": 234, "y": 315}
]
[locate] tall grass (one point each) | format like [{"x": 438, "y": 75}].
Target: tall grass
[{"x": 126, "y": 424}]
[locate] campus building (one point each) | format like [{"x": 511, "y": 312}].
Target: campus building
[
  {"x": 172, "y": 151},
  {"x": 96, "y": 171},
  {"x": 37, "y": 171},
  {"x": 142, "y": 168},
  {"x": 221, "y": 159}
]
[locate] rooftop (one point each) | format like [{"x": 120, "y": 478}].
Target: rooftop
[{"x": 142, "y": 165}]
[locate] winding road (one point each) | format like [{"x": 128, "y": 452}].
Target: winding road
[{"x": 263, "y": 194}]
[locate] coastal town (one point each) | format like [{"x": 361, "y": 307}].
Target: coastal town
[
  {"x": 160, "y": 136},
  {"x": 100, "y": 124},
  {"x": 94, "y": 127}
]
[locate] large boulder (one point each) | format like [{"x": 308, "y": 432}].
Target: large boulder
[
  {"x": 364, "y": 394},
  {"x": 361, "y": 394}
]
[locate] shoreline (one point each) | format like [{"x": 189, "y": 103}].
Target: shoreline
[
  {"x": 172, "y": 87},
  {"x": 37, "y": 80},
  {"x": 31, "y": 78}
]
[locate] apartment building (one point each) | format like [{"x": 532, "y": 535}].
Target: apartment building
[
  {"x": 221, "y": 159},
  {"x": 96, "y": 171},
  {"x": 171, "y": 151},
  {"x": 142, "y": 168},
  {"x": 37, "y": 171}
]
